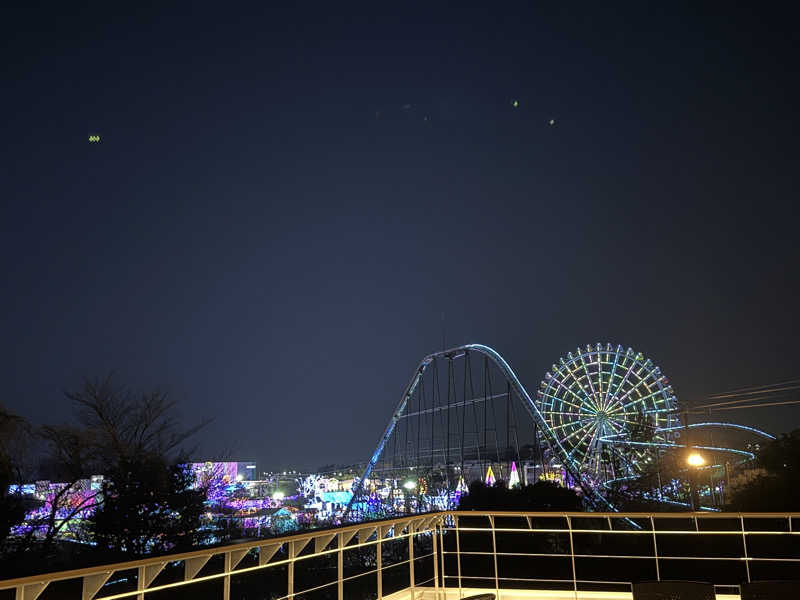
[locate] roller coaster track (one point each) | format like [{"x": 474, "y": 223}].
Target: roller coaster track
[{"x": 572, "y": 468}]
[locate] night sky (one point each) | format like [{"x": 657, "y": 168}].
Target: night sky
[{"x": 284, "y": 202}]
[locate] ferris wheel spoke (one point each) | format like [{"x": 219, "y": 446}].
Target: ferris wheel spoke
[
  {"x": 571, "y": 423},
  {"x": 577, "y": 431},
  {"x": 590, "y": 395},
  {"x": 565, "y": 414},
  {"x": 613, "y": 371},
  {"x": 579, "y": 445},
  {"x": 642, "y": 398},
  {"x": 616, "y": 409},
  {"x": 599, "y": 377},
  {"x": 562, "y": 385},
  {"x": 588, "y": 377},
  {"x": 581, "y": 399},
  {"x": 618, "y": 428},
  {"x": 619, "y": 413},
  {"x": 590, "y": 445},
  {"x": 627, "y": 375},
  {"x": 560, "y": 400},
  {"x": 588, "y": 431},
  {"x": 567, "y": 389},
  {"x": 619, "y": 420},
  {"x": 642, "y": 381}
]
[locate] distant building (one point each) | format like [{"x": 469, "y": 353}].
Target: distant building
[
  {"x": 247, "y": 471},
  {"x": 226, "y": 472}
]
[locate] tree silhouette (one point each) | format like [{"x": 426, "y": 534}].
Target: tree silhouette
[{"x": 541, "y": 496}]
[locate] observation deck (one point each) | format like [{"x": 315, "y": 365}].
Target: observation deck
[{"x": 455, "y": 554}]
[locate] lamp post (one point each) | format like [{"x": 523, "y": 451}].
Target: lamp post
[
  {"x": 694, "y": 461},
  {"x": 409, "y": 487}
]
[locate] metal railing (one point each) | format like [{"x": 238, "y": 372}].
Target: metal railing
[
  {"x": 448, "y": 553},
  {"x": 604, "y": 552}
]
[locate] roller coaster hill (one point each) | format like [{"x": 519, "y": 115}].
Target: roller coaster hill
[{"x": 603, "y": 419}]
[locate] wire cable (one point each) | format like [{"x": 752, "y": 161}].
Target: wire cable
[{"x": 794, "y": 382}]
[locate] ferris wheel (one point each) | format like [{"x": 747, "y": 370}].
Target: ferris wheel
[{"x": 600, "y": 396}]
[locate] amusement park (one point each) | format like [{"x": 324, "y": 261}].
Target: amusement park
[
  {"x": 461, "y": 301},
  {"x": 604, "y": 421},
  {"x": 604, "y": 437},
  {"x": 604, "y": 424}
]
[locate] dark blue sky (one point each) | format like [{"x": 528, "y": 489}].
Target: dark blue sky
[{"x": 284, "y": 202}]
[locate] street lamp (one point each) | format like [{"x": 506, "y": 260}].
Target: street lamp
[
  {"x": 409, "y": 487},
  {"x": 695, "y": 461}
]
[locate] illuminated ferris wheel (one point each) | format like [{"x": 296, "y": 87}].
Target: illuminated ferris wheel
[{"x": 599, "y": 401}]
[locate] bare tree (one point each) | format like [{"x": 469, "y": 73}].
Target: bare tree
[
  {"x": 126, "y": 424},
  {"x": 132, "y": 439},
  {"x": 15, "y": 435},
  {"x": 71, "y": 461},
  {"x": 145, "y": 481}
]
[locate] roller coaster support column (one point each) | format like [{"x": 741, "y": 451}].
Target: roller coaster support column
[{"x": 727, "y": 483}]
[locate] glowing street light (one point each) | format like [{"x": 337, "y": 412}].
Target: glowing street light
[
  {"x": 277, "y": 496},
  {"x": 696, "y": 460},
  {"x": 410, "y": 486}
]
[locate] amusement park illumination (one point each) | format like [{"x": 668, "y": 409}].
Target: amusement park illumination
[
  {"x": 514, "y": 478},
  {"x": 277, "y": 496},
  {"x": 490, "y": 478},
  {"x": 410, "y": 485},
  {"x": 596, "y": 395},
  {"x": 603, "y": 414},
  {"x": 695, "y": 460}
]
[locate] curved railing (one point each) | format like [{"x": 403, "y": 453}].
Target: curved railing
[
  {"x": 425, "y": 555},
  {"x": 746, "y": 428},
  {"x": 746, "y": 454}
]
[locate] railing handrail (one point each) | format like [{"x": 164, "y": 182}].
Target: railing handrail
[
  {"x": 220, "y": 549},
  {"x": 355, "y": 527},
  {"x": 625, "y": 515}
]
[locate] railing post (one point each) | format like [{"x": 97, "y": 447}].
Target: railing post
[
  {"x": 226, "y": 581},
  {"x": 411, "y": 527},
  {"x": 744, "y": 547},
  {"x": 379, "y": 561},
  {"x": 290, "y": 572},
  {"x": 494, "y": 557},
  {"x": 140, "y": 583},
  {"x": 340, "y": 568},
  {"x": 435, "y": 565},
  {"x": 441, "y": 554},
  {"x": 655, "y": 547},
  {"x": 458, "y": 558},
  {"x": 572, "y": 557}
]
